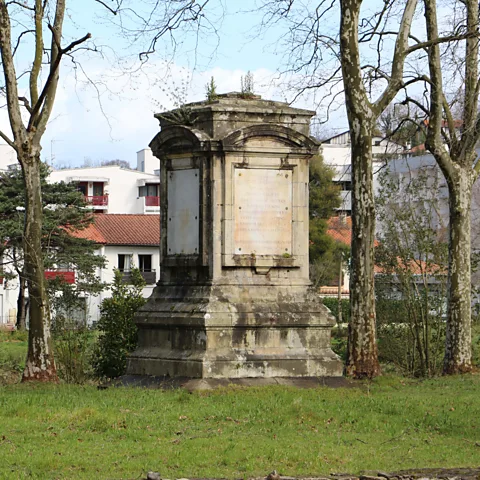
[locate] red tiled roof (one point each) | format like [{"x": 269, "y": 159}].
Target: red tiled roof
[
  {"x": 122, "y": 229},
  {"x": 340, "y": 229},
  {"x": 414, "y": 267},
  {"x": 333, "y": 290},
  {"x": 90, "y": 233}
]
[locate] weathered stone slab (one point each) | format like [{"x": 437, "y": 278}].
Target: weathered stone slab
[
  {"x": 183, "y": 212},
  {"x": 262, "y": 211}
]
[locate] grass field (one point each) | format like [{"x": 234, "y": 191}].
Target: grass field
[
  {"x": 77, "y": 432},
  {"x": 13, "y": 350}
]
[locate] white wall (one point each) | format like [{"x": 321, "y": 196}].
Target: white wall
[
  {"x": 338, "y": 155},
  {"x": 146, "y": 162},
  {"x": 106, "y": 275},
  {"x": 8, "y": 301},
  {"x": 8, "y": 156}
]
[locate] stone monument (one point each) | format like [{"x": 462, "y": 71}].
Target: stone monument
[{"x": 234, "y": 297}]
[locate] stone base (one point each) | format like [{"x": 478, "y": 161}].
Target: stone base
[{"x": 226, "y": 331}]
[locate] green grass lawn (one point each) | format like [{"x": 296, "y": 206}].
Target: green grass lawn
[
  {"x": 68, "y": 431},
  {"x": 13, "y": 350}
]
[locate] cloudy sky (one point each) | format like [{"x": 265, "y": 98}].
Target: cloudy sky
[{"x": 105, "y": 102}]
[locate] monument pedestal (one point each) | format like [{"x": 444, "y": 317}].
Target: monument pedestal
[
  {"x": 234, "y": 300},
  {"x": 218, "y": 331}
]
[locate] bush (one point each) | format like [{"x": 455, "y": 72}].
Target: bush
[
  {"x": 74, "y": 345},
  {"x": 411, "y": 334},
  {"x": 118, "y": 333},
  {"x": 397, "y": 339},
  {"x": 476, "y": 342},
  {"x": 339, "y": 332},
  {"x": 332, "y": 304}
]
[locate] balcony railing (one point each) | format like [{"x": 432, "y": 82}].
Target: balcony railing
[
  {"x": 148, "y": 275},
  {"x": 68, "y": 276},
  {"x": 151, "y": 201},
  {"x": 97, "y": 200}
]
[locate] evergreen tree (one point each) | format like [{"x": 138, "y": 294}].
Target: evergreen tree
[
  {"x": 64, "y": 213},
  {"x": 324, "y": 197}
]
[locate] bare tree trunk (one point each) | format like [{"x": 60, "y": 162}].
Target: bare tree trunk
[
  {"x": 362, "y": 354},
  {"x": 21, "y": 303},
  {"x": 458, "y": 342},
  {"x": 339, "y": 293},
  {"x": 40, "y": 364}
]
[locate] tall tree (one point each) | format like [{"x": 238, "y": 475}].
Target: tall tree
[
  {"x": 452, "y": 141},
  {"x": 28, "y": 122},
  {"x": 370, "y": 83},
  {"x": 29, "y": 110},
  {"x": 65, "y": 213},
  {"x": 362, "y": 358}
]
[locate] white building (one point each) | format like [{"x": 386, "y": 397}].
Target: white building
[
  {"x": 8, "y": 157},
  {"x": 126, "y": 241},
  {"x": 114, "y": 189},
  {"x": 146, "y": 162},
  {"x": 126, "y": 195},
  {"x": 408, "y": 168},
  {"x": 336, "y": 152}
]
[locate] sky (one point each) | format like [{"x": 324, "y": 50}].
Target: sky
[
  {"x": 106, "y": 101},
  {"x": 110, "y": 115}
]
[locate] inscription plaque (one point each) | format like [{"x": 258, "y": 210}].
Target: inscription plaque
[
  {"x": 262, "y": 211},
  {"x": 183, "y": 212}
]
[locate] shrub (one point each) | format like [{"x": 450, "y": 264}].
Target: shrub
[
  {"x": 332, "y": 304},
  {"x": 118, "y": 333},
  {"x": 339, "y": 332},
  {"x": 74, "y": 344}
]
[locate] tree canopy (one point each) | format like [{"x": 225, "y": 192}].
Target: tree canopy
[{"x": 324, "y": 198}]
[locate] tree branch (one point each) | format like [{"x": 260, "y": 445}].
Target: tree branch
[
  {"x": 434, "y": 130},
  {"x": 23, "y": 5},
  {"x": 437, "y": 41},
  {"x": 7, "y": 140},
  {"x": 9, "y": 73},
  {"x": 26, "y": 104},
  {"x": 398, "y": 61},
  {"x": 37, "y": 59},
  {"x": 51, "y": 83}
]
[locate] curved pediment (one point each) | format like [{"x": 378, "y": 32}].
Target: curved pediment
[
  {"x": 269, "y": 135},
  {"x": 178, "y": 138}
]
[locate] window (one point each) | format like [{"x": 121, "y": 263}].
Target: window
[
  {"x": 148, "y": 191},
  {"x": 124, "y": 262},
  {"x": 378, "y": 143},
  {"x": 97, "y": 189},
  {"x": 145, "y": 263},
  {"x": 345, "y": 185},
  {"x": 83, "y": 187}
]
